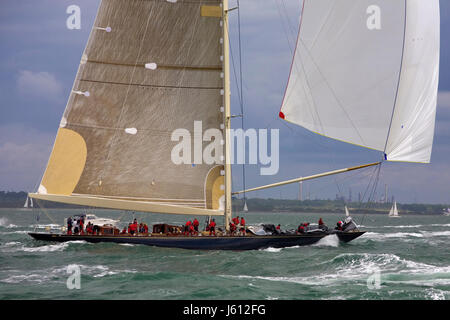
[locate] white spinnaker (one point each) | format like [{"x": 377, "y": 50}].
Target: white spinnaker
[
  {"x": 413, "y": 123},
  {"x": 354, "y": 69}
]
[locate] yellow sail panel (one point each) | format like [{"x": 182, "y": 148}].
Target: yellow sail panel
[
  {"x": 66, "y": 163},
  {"x": 215, "y": 189},
  {"x": 130, "y": 205},
  {"x": 211, "y": 11}
]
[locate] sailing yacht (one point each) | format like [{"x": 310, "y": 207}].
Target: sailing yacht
[
  {"x": 393, "y": 213},
  {"x": 155, "y": 73},
  {"x": 28, "y": 203},
  {"x": 447, "y": 212}
]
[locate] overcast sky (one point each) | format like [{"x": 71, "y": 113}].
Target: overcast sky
[{"x": 39, "y": 58}]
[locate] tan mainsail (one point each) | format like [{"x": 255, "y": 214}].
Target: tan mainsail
[{"x": 149, "y": 68}]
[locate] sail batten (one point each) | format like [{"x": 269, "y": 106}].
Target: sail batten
[{"x": 366, "y": 72}]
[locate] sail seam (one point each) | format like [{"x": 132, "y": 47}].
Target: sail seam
[
  {"x": 160, "y": 66},
  {"x": 141, "y": 198},
  {"x": 154, "y": 131},
  {"x": 149, "y": 85}
]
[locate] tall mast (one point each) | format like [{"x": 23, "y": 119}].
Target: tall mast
[{"x": 227, "y": 114}]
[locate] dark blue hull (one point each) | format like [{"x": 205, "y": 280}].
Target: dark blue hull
[
  {"x": 250, "y": 242},
  {"x": 349, "y": 236}
]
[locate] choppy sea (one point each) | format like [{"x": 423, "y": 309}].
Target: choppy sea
[{"x": 398, "y": 258}]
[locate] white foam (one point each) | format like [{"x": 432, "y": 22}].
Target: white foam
[
  {"x": 381, "y": 236},
  {"x": 328, "y": 241},
  {"x": 78, "y": 242},
  {"x": 435, "y": 294},
  {"x": 60, "y": 274},
  {"x": 4, "y": 223},
  {"x": 270, "y": 249},
  {"x": 10, "y": 244},
  {"x": 436, "y": 234},
  {"x": 406, "y": 226},
  {"x": 47, "y": 248},
  {"x": 19, "y": 247},
  {"x": 358, "y": 267}
]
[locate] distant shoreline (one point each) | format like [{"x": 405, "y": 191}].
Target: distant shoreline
[{"x": 16, "y": 200}]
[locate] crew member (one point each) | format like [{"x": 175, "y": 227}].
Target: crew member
[
  {"x": 232, "y": 228},
  {"x": 187, "y": 227},
  {"x": 191, "y": 229},
  {"x": 195, "y": 223},
  {"x": 134, "y": 227},
  {"x": 81, "y": 226},
  {"x": 69, "y": 225},
  {"x": 212, "y": 227},
  {"x": 243, "y": 226}
]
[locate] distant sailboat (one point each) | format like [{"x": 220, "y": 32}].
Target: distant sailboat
[
  {"x": 347, "y": 214},
  {"x": 394, "y": 212},
  {"x": 28, "y": 203},
  {"x": 447, "y": 212},
  {"x": 245, "y": 207}
]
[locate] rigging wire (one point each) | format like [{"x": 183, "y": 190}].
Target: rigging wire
[
  {"x": 239, "y": 85},
  {"x": 241, "y": 92}
]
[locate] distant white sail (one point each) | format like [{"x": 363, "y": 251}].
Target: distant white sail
[
  {"x": 366, "y": 72},
  {"x": 245, "y": 207},
  {"x": 26, "y": 203},
  {"x": 394, "y": 211},
  {"x": 347, "y": 214}
]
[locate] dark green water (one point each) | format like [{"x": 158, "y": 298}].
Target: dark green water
[{"x": 410, "y": 254}]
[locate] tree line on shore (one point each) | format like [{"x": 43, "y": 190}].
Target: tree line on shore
[{"x": 17, "y": 199}]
